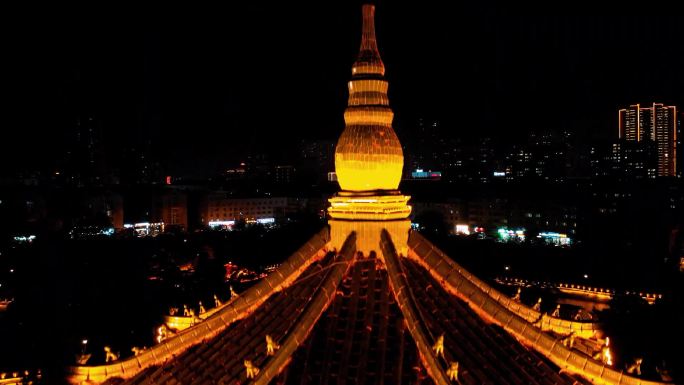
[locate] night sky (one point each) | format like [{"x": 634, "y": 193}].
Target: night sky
[{"x": 201, "y": 87}]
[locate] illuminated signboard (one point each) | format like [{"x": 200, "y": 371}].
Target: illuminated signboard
[
  {"x": 506, "y": 235},
  {"x": 215, "y": 224},
  {"x": 420, "y": 174},
  {"x": 553, "y": 238}
]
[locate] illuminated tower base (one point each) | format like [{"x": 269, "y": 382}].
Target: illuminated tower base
[{"x": 368, "y": 213}]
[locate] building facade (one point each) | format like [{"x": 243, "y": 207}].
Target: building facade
[
  {"x": 222, "y": 207},
  {"x": 658, "y": 125}
]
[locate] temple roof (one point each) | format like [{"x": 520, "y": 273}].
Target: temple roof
[
  {"x": 335, "y": 316},
  {"x": 362, "y": 336},
  {"x": 368, "y": 311}
]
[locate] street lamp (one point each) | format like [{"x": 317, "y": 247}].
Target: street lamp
[{"x": 84, "y": 343}]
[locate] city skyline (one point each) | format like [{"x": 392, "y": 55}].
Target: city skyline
[
  {"x": 150, "y": 82},
  {"x": 372, "y": 276},
  {"x": 467, "y": 217},
  {"x": 658, "y": 126}
]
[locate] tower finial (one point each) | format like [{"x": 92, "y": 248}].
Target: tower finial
[
  {"x": 368, "y": 42},
  {"x": 369, "y": 61}
]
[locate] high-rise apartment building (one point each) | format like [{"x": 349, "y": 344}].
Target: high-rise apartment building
[{"x": 657, "y": 125}]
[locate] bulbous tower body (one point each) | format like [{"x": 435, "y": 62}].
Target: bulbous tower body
[
  {"x": 369, "y": 159},
  {"x": 368, "y": 155}
]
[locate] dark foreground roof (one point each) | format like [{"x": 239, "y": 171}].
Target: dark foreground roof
[{"x": 361, "y": 338}]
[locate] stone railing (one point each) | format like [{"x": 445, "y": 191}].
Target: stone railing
[
  {"x": 237, "y": 309},
  {"x": 183, "y": 322},
  {"x": 484, "y": 304},
  {"x": 593, "y": 292}
]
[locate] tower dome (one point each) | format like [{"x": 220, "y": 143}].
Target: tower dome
[{"x": 368, "y": 155}]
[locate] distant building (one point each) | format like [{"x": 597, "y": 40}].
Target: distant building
[
  {"x": 427, "y": 146},
  {"x": 84, "y": 159},
  {"x": 237, "y": 173},
  {"x": 627, "y": 159},
  {"x": 492, "y": 213},
  {"x": 656, "y": 124},
  {"x": 421, "y": 174},
  {"x": 316, "y": 159},
  {"x": 172, "y": 210},
  {"x": 284, "y": 174},
  {"x": 453, "y": 211},
  {"x": 100, "y": 209},
  {"x": 222, "y": 207}
]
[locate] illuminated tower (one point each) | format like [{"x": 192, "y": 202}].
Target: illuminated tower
[
  {"x": 403, "y": 313},
  {"x": 657, "y": 125},
  {"x": 664, "y": 134},
  {"x": 368, "y": 157},
  {"x": 630, "y": 123}
]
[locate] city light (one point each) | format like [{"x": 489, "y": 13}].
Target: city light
[
  {"x": 534, "y": 181},
  {"x": 553, "y": 238},
  {"x": 463, "y": 229},
  {"x": 226, "y": 224},
  {"x": 147, "y": 229},
  {"x": 607, "y": 355},
  {"x": 506, "y": 235},
  {"x": 25, "y": 238},
  {"x": 420, "y": 174}
]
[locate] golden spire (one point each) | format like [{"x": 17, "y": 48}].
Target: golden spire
[
  {"x": 368, "y": 155},
  {"x": 369, "y": 158},
  {"x": 368, "y": 61}
]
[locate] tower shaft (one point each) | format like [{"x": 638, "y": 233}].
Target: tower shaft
[{"x": 368, "y": 157}]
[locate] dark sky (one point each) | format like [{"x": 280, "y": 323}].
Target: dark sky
[{"x": 199, "y": 87}]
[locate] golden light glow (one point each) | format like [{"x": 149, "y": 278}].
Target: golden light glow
[
  {"x": 110, "y": 355},
  {"x": 379, "y": 207},
  {"x": 438, "y": 347},
  {"x": 635, "y": 368},
  {"x": 674, "y": 142},
  {"x": 160, "y": 335},
  {"x": 516, "y": 297},
  {"x": 369, "y": 158},
  {"x": 452, "y": 372},
  {"x": 251, "y": 370},
  {"x": 271, "y": 345},
  {"x": 607, "y": 355},
  {"x": 368, "y": 155}
]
